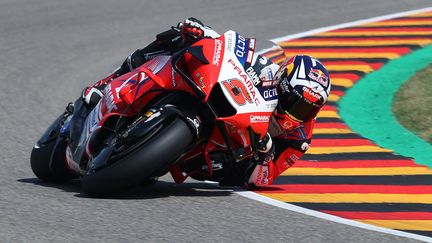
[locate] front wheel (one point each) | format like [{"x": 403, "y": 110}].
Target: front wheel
[
  {"x": 156, "y": 154},
  {"x": 47, "y": 159}
]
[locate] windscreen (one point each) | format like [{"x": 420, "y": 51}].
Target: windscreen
[{"x": 270, "y": 50}]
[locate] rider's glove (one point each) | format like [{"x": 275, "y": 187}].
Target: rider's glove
[
  {"x": 264, "y": 145},
  {"x": 191, "y": 29},
  {"x": 91, "y": 96}
]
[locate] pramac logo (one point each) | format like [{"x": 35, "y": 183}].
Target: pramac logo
[
  {"x": 217, "y": 52},
  {"x": 259, "y": 119}
]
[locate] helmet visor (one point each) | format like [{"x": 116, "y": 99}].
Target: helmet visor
[{"x": 298, "y": 108}]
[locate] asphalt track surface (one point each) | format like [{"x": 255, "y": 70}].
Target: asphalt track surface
[{"x": 49, "y": 50}]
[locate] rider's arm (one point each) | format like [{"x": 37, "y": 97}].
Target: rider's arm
[
  {"x": 289, "y": 147},
  {"x": 169, "y": 42},
  {"x": 166, "y": 43}
]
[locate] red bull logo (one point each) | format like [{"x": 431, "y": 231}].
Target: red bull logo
[{"x": 319, "y": 76}]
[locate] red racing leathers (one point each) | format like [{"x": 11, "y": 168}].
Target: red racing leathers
[{"x": 289, "y": 146}]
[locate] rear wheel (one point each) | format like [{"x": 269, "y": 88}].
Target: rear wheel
[{"x": 159, "y": 151}]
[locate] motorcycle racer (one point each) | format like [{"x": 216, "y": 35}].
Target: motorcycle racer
[{"x": 303, "y": 86}]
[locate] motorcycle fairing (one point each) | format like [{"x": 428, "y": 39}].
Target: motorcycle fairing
[
  {"x": 128, "y": 94},
  {"x": 256, "y": 105}
]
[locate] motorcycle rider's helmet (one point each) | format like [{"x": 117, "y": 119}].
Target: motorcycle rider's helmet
[{"x": 303, "y": 89}]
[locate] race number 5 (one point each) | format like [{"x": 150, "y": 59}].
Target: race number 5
[{"x": 238, "y": 91}]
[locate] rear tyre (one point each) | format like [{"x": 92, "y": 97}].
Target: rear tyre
[{"x": 155, "y": 155}]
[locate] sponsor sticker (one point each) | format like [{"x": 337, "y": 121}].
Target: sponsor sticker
[
  {"x": 247, "y": 81},
  {"x": 249, "y": 56},
  {"x": 110, "y": 103},
  {"x": 288, "y": 163},
  {"x": 294, "y": 157},
  {"x": 271, "y": 105},
  {"x": 261, "y": 175},
  {"x": 269, "y": 94},
  {"x": 217, "y": 52},
  {"x": 265, "y": 174},
  {"x": 285, "y": 86},
  {"x": 253, "y": 75},
  {"x": 229, "y": 41},
  {"x": 318, "y": 76},
  {"x": 270, "y": 74},
  {"x": 252, "y": 43},
  {"x": 263, "y": 60},
  {"x": 259, "y": 119},
  {"x": 241, "y": 49},
  {"x": 310, "y": 95}
]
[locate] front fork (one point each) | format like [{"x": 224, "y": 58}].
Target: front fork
[{"x": 71, "y": 131}]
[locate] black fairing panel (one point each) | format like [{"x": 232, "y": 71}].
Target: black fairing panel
[{"x": 220, "y": 104}]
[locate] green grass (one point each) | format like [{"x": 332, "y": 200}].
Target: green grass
[{"x": 412, "y": 104}]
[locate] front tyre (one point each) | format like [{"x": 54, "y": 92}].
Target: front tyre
[
  {"x": 157, "y": 154},
  {"x": 47, "y": 160}
]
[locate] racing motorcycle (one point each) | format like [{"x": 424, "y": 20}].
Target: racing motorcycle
[{"x": 182, "y": 114}]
